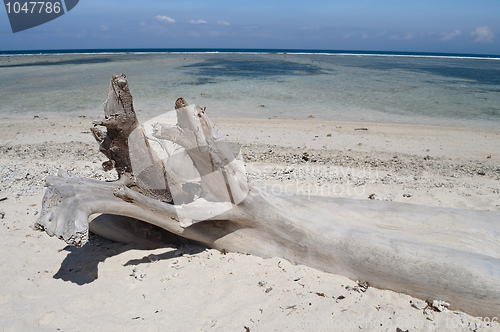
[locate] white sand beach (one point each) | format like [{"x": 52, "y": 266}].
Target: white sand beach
[{"x": 48, "y": 286}]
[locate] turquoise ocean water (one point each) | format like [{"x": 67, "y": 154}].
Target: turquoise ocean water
[{"x": 413, "y": 88}]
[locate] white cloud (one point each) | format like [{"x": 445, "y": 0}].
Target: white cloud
[
  {"x": 223, "y": 23},
  {"x": 483, "y": 35},
  {"x": 164, "y": 18},
  {"x": 450, "y": 35},
  {"x": 407, "y": 36},
  {"x": 198, "y": 22},
  {"x": 374, "y": 34},
  {"x": 349, "y": 34}
]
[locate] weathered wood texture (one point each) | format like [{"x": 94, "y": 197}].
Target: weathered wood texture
[{"x": 427, "y": 252}]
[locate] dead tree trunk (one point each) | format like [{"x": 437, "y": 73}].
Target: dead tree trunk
[{"x": 188, "y": 181}]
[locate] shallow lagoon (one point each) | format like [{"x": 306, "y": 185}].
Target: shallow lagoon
[{"x": 393, "y": 89}]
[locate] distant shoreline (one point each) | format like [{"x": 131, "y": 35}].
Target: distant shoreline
[{"x": 251, "y": 51}]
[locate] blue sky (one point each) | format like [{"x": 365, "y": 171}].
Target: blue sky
[{"x": 453, "y": 26}]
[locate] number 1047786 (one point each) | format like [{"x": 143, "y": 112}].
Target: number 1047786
[{"x": 33, "y": 7}]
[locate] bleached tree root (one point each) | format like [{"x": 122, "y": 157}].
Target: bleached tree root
[{"x": 427, "y": 252}]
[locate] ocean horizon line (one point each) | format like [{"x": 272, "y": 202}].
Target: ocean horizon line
[{"x": 247, "y": 51}]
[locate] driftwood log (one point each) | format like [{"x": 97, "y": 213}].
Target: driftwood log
[{"x": 192, "y": 183}]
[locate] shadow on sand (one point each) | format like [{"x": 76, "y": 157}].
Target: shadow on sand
[{"x": 81, "y": 264}]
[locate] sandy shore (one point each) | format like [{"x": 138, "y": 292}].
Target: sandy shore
[{"x": 48, "y": 286}]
